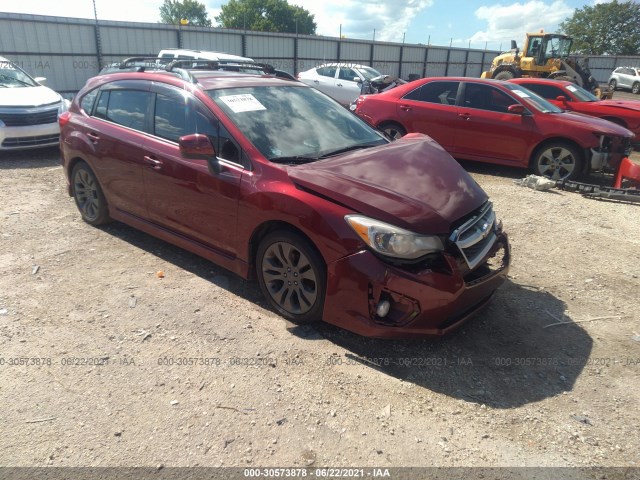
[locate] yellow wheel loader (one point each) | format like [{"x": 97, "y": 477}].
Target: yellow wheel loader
[{"x": 545, "y": 55}]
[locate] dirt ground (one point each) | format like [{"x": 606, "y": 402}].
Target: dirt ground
[{"x": 103, "y": 363}]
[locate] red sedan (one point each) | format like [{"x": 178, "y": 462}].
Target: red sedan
[
  {"x": 498, "y": 122},
  {"x": 574, "y": 98}
]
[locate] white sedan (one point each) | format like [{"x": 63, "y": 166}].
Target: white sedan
[
  {"x": 28, "y": 110},
  {"x": 341, "y": 81}
]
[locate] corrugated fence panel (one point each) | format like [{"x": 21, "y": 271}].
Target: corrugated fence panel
[
  {"x": 213, "y": 41},
  {"x": 41, "y": 37},
  {"x": 413, "y": 54},
  {"x": 136, "y": 41},
  {"x": 63, "y": 73},
  {"x": 321, "y": 50},
  {"x": 269, "y": 47},
  {"x": 357, "y": 52}
]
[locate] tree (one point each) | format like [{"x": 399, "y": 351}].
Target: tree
[
  {"x": 194, "y": 12},
  {"x": 605, "y": 28},
  {"x": 267, "y": 16}
]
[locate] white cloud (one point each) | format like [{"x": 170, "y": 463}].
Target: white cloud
[
  {"x": 511, "y": 22},
  {"x": 359, "y": 17}
]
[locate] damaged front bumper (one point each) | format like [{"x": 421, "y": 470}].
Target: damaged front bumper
[
  {"x": 428, "y": 299},
  {"x": 608, "y": 154}
]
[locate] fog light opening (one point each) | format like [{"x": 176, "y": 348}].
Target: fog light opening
[{"x": 383, "y": 308}]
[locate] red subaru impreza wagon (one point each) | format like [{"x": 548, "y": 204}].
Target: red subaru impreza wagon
[{"x": 273, "y": 180}]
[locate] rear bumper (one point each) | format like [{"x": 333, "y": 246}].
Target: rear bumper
[{"x": 424, "y": 303}]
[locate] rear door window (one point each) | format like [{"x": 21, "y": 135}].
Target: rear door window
[
  {"x": 444, "y": 93},
  {"x": 128, "y": 108}
]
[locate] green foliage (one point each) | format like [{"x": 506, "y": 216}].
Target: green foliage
[
  {"x": 605, "y": 29},
  {"x": 267, "y": 16},
  {"x": 194, "y": 12}
]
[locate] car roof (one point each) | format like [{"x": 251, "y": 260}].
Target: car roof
[
  {"x": 543, "y": 81},
  {"x": 197, "y": 80}
]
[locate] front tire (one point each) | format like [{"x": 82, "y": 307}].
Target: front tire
[
  {"x": 88, "y": 195},
  {"x": 292, "y": 276},
  {"x": 558, "y": 161},
  {"x": 505, "y": 75},
  {"x": 394, "y": 131},
  {"x": 635, "y": 88},
  {"x": 613, "y": 85}
]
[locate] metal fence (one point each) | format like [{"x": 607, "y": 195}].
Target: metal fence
[{"x": 68, "y": 51}]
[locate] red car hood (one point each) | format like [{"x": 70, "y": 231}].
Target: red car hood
[
  {"x": 411, "y": 183},
  {"x": 627, "y": 104},
  {"x": 603, "y": 127}
]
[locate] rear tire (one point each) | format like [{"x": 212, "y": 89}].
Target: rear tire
[
  {"x": 393, "y": 130},
  {"x": 613, "y": 85},
  {"x": 635, "y": 88},
  {"x": 557, "y": 161},
  {"x": 88, "y": 195}
]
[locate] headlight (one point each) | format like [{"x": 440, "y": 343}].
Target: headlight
[
  {"x": 393, "y": 241},
  {"x": 64, "y": 106}
]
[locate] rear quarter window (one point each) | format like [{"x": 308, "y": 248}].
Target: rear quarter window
[{"x": 88, "y": 101}]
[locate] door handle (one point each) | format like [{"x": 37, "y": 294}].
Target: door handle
[
  {"x": 316, "y": 81},
  {"x": 464, "y": 116},
  {"x": 153, "y": 162},
  {"x": 338, "y": 84},
  {"x": 405, "y": 108},
  {"x": 93, "y": 137}
]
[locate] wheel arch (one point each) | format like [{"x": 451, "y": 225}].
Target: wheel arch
[
  {"x": 616, "y": 120},
  {"x": 267, "y": 227}
]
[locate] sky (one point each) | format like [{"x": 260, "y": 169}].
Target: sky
[{"x": 490, "y": 24}]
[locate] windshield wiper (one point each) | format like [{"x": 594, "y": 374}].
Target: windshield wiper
[
  {"x": 14, "y": 79},
  {"x": 293, "y": 160},
  {"x": 350, "y": 148}
]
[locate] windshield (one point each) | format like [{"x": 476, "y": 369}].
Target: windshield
[
  {"x": 11, "y": 76},
  {"x": 294, "y": 122},
  {"x": 582, "y": 94},
  {"x": 368, "y": 73},
  {"x": 558, "y": 47},
  {"x": 532, "y": 100}
]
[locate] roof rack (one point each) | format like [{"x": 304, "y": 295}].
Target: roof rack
[
  {"x": 232, "y": 65},
  {"x": 183, "y": 67}
]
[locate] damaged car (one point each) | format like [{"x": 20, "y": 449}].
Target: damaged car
[
  {"x": 499, "y": 122},
  {"x": 275, "y": 181}
]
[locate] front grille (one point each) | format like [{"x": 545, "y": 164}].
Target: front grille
[
  {"x": 14, "y": 142},
  {"x": 28, "y": 117},
  {"x": 476, "y": 236}
]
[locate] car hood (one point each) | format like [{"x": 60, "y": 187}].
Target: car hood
[
  {"x": 599, "y": 125},
  {"x": 27, "y": 96},
  {"x": 411, "y": 183},
  {"x": 626, "y": 104}
]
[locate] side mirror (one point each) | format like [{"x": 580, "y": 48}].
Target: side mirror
[
  {"x": 516, "y": 109},
  {"x": 196, "y": 146},
  {"x": 357, "y": 79},
  {"x": 562, "y": 99},
  {"x": 514, "y": 45},
  {"x": 41, "y": 80}
]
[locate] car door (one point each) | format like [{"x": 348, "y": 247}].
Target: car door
[
  {"x": 116, "y": 130},
  {"x": 183, "y": 194},
  {"x": 325, "y": 80},
  {"x": 346, "y": 88},
  {"x": 626, "y": 76},
  {"x": 486, "y": 131},
  {"x": 431, "y": 109}
]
